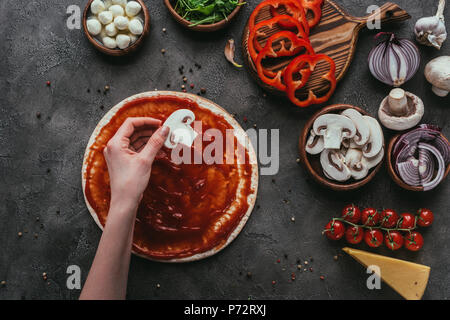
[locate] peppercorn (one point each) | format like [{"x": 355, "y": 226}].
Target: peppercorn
[
  {"x": 3, "y": 283},
  {"x": 184, "y": 79},
  {"x": 249, "y": 274},
  {"x": 203, "y": 90},
  {"x": 245, "y": 119},
  {"x": 102, "y": 107},
  {"x": 293, "y": 219},
  {"x": 335, "y": 258},
  {"x": 164, "y": 29},
  {"x": 38, "y": 115},
  {"x": 158, "y": 286},
  {"x": 322, "y": 278},
  {"x": 48, "y": 83},
  {"x": 273, "y": 282},
  {"x": 19, "y": 234},
  {"x": 163, "y": 51},
  {"x": 298, "y": 160},
  {"x": 107, "y": 88},
  {"x": 183, "y": 86},
  {"x": 192, "y": 86}
]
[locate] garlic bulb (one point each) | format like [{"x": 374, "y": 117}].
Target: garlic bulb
[{"x": 431, "y": 31}]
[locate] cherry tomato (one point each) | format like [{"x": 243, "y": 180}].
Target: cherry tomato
[
  {"x": 370, "y": 217},
  {"x": 413, "y": 241},
  {"x": 388, "y": 218},
  {"x": 426, "y": 217},
  {"x": 334, "y": 230},
  {"x": 351, "y": 213},
  {"x": 354, "y": 235},
  {"x": 407, "y": 221},
  {"x": 373, "y": 238},
  {"x": 393, "y": 240}
]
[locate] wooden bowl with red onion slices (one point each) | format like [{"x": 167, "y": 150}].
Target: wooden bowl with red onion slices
[
  {"x": 320, "y": 156},
  {"x": 419, "y": 160}
]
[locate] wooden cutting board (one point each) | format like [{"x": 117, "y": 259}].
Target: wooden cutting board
[{"x": 336, "y": 35}]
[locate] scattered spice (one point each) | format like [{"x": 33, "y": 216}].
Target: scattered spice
[
  {"x": 3, "y": 283},
  {"x": 88, "y": 90},
  {"x": 102, "y": 107},
  {"x": 190, "y": 70},
  {"x": 184, "y": 90},
  {"x": 183, "y": 86},
  {"x": 293, "y": 276},
  {"x": 278, "y": 260},
  {"x": 203, "y": 90},
  {"x": 19, "y": 234},
  {"x": 299, "y": 267},
  {"x": 293, "y": 219},
  {"x": 184, "y": 79},
  {"x": 197, "y": 65},
  {"x": 158, "y": 286},
  {"x": 306, "y": 262},
  {"x": 273, "y": 282},
  {"x": 192, "y": 86},
  {"x": 48, "y": 83},
  {"x": 163, "y": 51},
  {"x": 38, "y": 115},
  {"x": 245, "y": 119},
  {"x": 37, "y": 219},
  {"x": 58, "y": 212},
  {"x": 44, "y": 276},
  {"x": 249, "y": 274},
  {"x": 254, "y": 126},
  {"x": 335, "y": 258},
  {"x": 107, "y": 88},
  {"x": 298, "y": 160},
  {"x": 35, "y": 235},
  {"x": 311, "y": 269},
  {"x": 164, "y": 29},
  {"x": 322, "y": 278}
]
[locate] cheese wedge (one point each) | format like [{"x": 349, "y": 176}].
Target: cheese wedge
[{"x": 407, "y": 278}]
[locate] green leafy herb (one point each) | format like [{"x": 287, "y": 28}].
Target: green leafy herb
[{"x": 205, "y": 11}]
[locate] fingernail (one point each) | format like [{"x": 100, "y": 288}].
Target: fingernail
[{"x": 165, "y": 130}]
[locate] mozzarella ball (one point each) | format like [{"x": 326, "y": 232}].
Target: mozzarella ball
[
  {"x": 123, "y": 41},
  {"x": 121, "y": 22},
  {"x": 97, "y": 6},
  {"x": 109, "y": 42},
  {"x": 94, "y": 26},
  {"x": 135, "y": 26},
  {"x": 132, "y": 8},
  {"x": 133, "y": 37},
  {"x": 105, "y": 17},
  {"x": 108, "y": 3},
  {"x": 111, "y": 30},
  {"x": 122, "y": 3},
  {"x": 116, "y": 10}
]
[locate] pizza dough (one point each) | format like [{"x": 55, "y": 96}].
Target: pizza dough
[{"x": 188, "y": 212}]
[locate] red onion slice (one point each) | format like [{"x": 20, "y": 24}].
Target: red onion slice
[{"x": 440, "y": 170}]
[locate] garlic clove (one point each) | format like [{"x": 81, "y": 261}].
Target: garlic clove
[{"x": 431, "y": 31}]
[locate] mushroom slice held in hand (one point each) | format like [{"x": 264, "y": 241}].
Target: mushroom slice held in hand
[
  {"x": 437, "y": 72},
  {"x": 333, "y": 165},
  {"x": 400, "y": 110},
  {"x": 315, "y": 143},
  {"x": 375, "y": 143},
  {"x": 362, "y": 129},
  {"x": 334, "y": 128}
]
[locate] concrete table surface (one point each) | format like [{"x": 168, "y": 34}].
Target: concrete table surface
[{"x": 40, "y": 162}]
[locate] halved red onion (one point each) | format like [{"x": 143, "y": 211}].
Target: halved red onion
[{"x": 394, "y": 61}]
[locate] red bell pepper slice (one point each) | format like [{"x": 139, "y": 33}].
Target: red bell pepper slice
[
  {"x": 296, "y": 46},
  {"x": 253, "y": 44},
  {"x": 315, "y": 6},
  {"x": 297, "y": 65},
  {"x": 292, "y": 6}
]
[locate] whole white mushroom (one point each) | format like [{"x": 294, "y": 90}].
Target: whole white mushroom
[
  {"x": 121, "y": 22},
  {"x": 111, "y": 30},
  {"x": 123, "y": 41},
  {"x": 105, "y": 17},
  {"x": 132, "y": 8},
  {"x": 437, "y": 72},
  {"x": 109, "y": 42},
  {"x": 116, "y": 10},
  {"x": 97, "y": 6},
  {"x": 135, "y": 26},
  {"x": 94, "y": 27}
]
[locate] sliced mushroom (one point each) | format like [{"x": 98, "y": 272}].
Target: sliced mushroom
[
  {"x": 354, "y": 161},
  {"x": 400, "y": 110},
  {"x": 374, "y": 161},
  {"x": 333, "y": 165},
  {"x": 350, "y": 143},
  {"x": 334, "y": 128},
  {"x": 376, "y": 140},
  {"x": 437, "y": 72},
  {"x": 362, "y": 130},
  {"x": 315, "y": 143}
]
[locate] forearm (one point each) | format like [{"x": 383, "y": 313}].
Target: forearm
[{"x": 108, "y": 276}]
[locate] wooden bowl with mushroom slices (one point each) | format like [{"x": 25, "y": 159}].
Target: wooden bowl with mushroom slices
[
  {"x": 170, "y": 4},
  {"x": 363, "y": 170},
  {"x": 96, "y": 41},
  {"x": 390, "y": 164}
]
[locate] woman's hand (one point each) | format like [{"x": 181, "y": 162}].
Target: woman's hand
[{"x": 129, "y": 156}]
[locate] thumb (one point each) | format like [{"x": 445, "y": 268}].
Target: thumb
[{"x": 155, "y": 143}]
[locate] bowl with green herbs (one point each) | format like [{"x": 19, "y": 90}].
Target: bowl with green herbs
[{"x": 204, "y": 15}]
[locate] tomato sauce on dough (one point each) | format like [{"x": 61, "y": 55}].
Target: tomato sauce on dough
[{"x": 187, "y": 208}]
